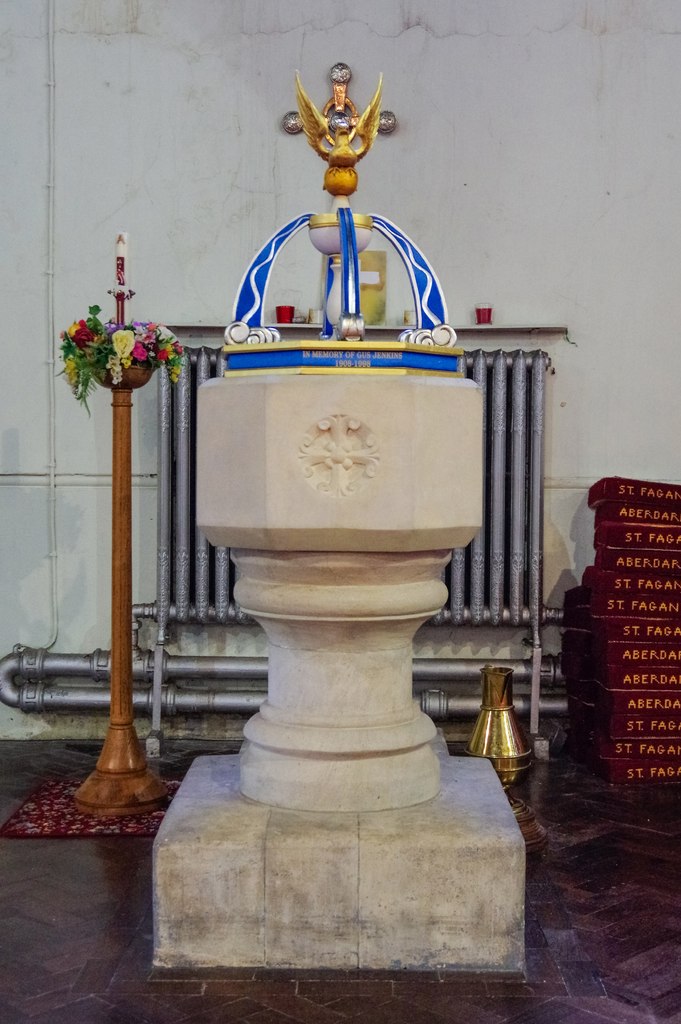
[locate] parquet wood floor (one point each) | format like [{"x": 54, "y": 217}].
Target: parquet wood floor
[{"x": 603, "y": 923}]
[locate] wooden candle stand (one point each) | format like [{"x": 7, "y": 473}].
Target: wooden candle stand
[{"x": 121, "y": 783}]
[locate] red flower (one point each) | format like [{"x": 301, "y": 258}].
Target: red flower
[
  {"x": 163, "y": 354},
  {"x": 83, "y": 336}
]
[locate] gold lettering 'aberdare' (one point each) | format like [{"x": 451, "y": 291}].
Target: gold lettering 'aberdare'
[
  {"x": 646, "y": 563},
  {"x": 646, "y": 654},
  {"x": 654, "y": 704},
  {"x": 651, "y": 679},
  {"x": 649, "y": 515}
]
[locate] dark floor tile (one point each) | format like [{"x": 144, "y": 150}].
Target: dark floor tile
[
  {"x": 564, "y": 944},
  {"x": 552, "y": 1012},
  {"x": 95, "y": 976},
  {"x": 89, "y": 1010},
  {"x": 582, "y": 979},
  {"x": 448, "y": 987},
  {"x": 233, "y": 1012},
  {"x": 397, "y": 1011},
  {"x": 353, "y": 1004},
  {"x": 156, "y": 1007},
  {"x": 668, "y": 1005},
  {"x": 448, "y": 1004},
  {"x": 613, "y": 1011},
  {"x": 327, "y": 991},
  {"x": 619, "y": 993},
  {"x": 534, "y": 936},
  {"x": 542, "y": 973},
  {"x": 302, "y": 1009},
  {"x": 520, "y": 1006},
  {"x": 10, "y": 1013},
  {"x": 541, "y": 889},
  {"x": 551, "y": 914},
  {"x": 652, "y": 973},
  {"x": 270, "y": 1017}
]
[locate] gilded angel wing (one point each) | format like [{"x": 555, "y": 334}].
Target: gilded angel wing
[
  {"x": 314, "y": 122},
  {"x": 367, "y": 126}
]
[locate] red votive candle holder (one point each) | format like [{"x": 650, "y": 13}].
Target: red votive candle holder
[
  {"x": 285, "y": 314},
  {"x": 483, "y": 313}
]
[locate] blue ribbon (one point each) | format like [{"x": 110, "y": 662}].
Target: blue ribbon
[{"x": 349, "y": 263}]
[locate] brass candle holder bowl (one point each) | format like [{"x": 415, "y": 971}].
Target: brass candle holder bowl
[{"x": 499, "y": 737}]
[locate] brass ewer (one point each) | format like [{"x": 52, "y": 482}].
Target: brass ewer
[{"x": 499, "y": 737}]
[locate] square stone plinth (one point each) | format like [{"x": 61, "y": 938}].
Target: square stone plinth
[{"x": 436, "y": 886}]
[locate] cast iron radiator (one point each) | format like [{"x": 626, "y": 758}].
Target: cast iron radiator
[{"x": 496, "y": 581}]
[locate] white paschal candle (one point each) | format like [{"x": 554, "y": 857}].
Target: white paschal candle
[{"x": 121, "y": 258}]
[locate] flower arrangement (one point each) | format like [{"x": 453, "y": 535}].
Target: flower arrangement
[{"x": 93, "y": 350}]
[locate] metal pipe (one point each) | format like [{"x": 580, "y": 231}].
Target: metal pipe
[
  {"x": 518, "y": 431},
  {"x": 443, "y": 706},
  {"x": 540, "y": 364},
  {"x": 23, "y": 685},
  {"x": 182, "y": 496},
  {"x": 478, "y": 546},
  {"x": 498, "y": 514},
  {"x": 201, "y": 548},
  {"x": 160, "y": 610},
  {"x": 224, "y": 608},
  {"x": 537, "y": 528}
]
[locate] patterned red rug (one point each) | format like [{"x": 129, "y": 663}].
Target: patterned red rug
[{"x": 50, "y": 813}]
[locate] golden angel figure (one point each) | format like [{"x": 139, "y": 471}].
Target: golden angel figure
[{"x": 341, "y": 177}]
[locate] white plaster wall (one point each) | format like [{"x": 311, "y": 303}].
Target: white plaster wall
[{"x": 536, "y": 163}]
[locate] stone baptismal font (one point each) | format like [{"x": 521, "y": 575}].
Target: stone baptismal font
[{"x": 341, "y": 473}]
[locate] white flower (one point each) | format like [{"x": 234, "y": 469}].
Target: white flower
[{"x": 114, "y": 365}]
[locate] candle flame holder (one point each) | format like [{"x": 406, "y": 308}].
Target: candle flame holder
[{"x": 498, "y": 736}]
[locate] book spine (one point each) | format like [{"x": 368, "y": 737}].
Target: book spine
[
  {"x": 624, "y": 489},
  {"x": 627, "y": 725},
  {"x": 603, "y": 581},
  {"x": 608, "y": 605},
  {"x": 644, "y": 631},
  {"x": 638, "y": 748},
  {"x": 620, "y": 677},
  {"x": 627, "y": 535},
  {"x": 658, "y": 563},
  {"x": 634, "y": 654},
  {"x": 650, "y": 705},
  {"x": 617, "y": 512},
  {"x": 626, "y": 771}
]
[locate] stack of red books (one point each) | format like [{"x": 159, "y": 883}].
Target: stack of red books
[{"x": 624, "y": 689}]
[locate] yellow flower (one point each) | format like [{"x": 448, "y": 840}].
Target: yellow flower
[
  {"x": 71, "y": 371},
  {"x": 73, "y": 328},
  {"x": 123, "y": 343}
]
